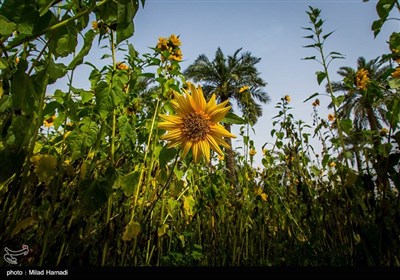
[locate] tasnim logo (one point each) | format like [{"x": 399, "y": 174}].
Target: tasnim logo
[{"x": 10, "y": 255}]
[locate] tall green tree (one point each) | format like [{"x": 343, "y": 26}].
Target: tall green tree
[
  {"x": 232, "y": 77},
  {"x": 366, "y": 92},
  {"x": 364, "y": 99}
]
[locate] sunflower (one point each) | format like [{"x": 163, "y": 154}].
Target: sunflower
[
  {"x": 362, "y": 79},
  {"x": 49, "y": 122},
  {"x": 195, "y": 124}
]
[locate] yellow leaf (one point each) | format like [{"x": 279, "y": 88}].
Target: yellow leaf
[
  {"x": 83, "y": 170},
  {"x": 162, "y": 230},
  {"x": 131, "y": 230},
  {"x": 46, "y": 168},
  {"x": 182, "y": 239},
  {"x": 264, "y": 196},
  {"x": 188, "y": 203},
  {"x": 24, "y": 224}
]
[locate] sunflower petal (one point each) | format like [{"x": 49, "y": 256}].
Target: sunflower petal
[
  {"x": 167, "y": 125},
  {"x": 172, "y": 119},
  {"x": 218, "y": 114},
  {"x": 222, "y": 142},
  {"x": 196, "y": 152},
  {"x": 219, "y": 131},
  {"x": 172, "y": 135},
  {"x": 183, "y": 105},
  {"x": 197, "y": 101},
  {"x": 214, "y": 145},
  {"x": 205, "y": 149},
  {"x": 186, "y": 147}
]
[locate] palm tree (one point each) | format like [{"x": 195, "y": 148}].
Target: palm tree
[
  {"x": 366, "y": 92},
  {"x": 365, "y": 104},
  {"x": 232, "y": 77}
]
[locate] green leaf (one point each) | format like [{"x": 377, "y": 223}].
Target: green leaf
[
  {"x": 86, "y": 96},
  {"x": 23, "y": 93},
  {"x": 166, "y": 155},
  {"x": 346, "y": 125},
  {"x": 66, "y": 44},
  {"x": 394, "y": 83},
  {"x": 232, "y": 118},
  {"x": 44, "y": 6},
  {"x": 338, "y": 100},
  {"x": 56, "y": 71},
  {"x": 280, "y": 135},
  {"x": 87, "y": 45},
  {"x": 6, "y": 27},
  {"x": 131, "y": 230},
  {"x": 130, "y": 180},
  {"x": 377, "y": 26},
  {"x": 3, "y": 63},
  {"x": 51, "y": 107},
  {"x": 104, "y": 102},
  {"x": 327, "y": 35},
  {"x": 124, "y": 31},
  {"x": 309, "y": 58},
  {"x": 188, "y": 204},
  {"x": 312, "y": 96},
  {"x": 384, "y": 7},
  {"x": 394, "y": 41},
  {"x": 162, "y": 230},
  {"x": 320, "y": 76}
]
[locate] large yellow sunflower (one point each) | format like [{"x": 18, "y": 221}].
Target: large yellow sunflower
[{"x": 195, "y": 124}]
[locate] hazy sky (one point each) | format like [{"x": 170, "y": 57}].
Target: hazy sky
[{"x": 272, "y": 31}]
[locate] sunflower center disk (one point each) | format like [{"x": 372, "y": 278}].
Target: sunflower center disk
[{"x": 195, "y": 127}]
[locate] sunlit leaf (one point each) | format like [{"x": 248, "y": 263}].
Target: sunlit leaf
[
  {"x": 22, "y": 225},
  {"x": 6, "y": 27},
  {"x": 87, "y": 45},
  {"x": 232, "y": 118},
  {"x": 45, "y": 168},
  {"x": 320, "y": 76},
  {"x": 130, "y": 181},
  {"x": 132, "y": 230},
  {"x": 162, "y": 230},
  {"x": 188, "y": 204}
]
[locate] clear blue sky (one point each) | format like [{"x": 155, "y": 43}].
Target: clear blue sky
[{"x": 272, "y": 31}]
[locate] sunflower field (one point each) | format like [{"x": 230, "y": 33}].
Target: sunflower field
[{"x": 139, "y": 170}]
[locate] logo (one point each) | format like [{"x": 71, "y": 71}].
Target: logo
[{"x": 10, "y": 255}]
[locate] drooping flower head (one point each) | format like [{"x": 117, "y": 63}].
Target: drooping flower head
[
  {"x": 174, "y": 40},
  {"x": 316, "y": 103},
  {"x": 195, "y": 125},
  {"x": 362, "y": 79},
  {"x": 287, "y": 98},
  {"x": 243, "y": 88},
  {"x": 396, "y": 73},
  {"x": 252, "y": 152}
]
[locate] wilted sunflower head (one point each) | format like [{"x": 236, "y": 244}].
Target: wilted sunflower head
[
  {"x": 362, "y": 79},
  {"x": 195, "y": 125}
]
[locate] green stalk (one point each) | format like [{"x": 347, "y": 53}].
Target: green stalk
[
  {"x": 114, "y": 115},
  {"x": 138, "y": 186},
  {"x": 330, "y": 90},
  {"x": 112, "y": 154},
  {"x": 31, "y": 147}
]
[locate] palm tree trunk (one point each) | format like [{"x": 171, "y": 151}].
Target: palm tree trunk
[{"x": 380, "y": 164}]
